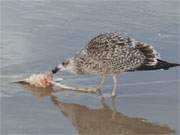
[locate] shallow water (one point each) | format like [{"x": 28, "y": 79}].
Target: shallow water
[{"x": 36, "y": 35}]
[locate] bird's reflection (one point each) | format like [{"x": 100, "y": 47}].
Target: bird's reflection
[
  {"x": 102, "y": 121},
  {"x": 38, "y": 92}
]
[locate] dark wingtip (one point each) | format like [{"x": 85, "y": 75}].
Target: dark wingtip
[
  {"x": 160, "y": 65},
  {"x": 175, "y": 65},
  {"x": 166, "y": 65}
]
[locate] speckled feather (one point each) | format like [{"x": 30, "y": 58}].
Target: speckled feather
[{"x": 113, "y": 53}]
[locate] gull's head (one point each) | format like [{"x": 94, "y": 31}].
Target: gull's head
[
  {"x": 71, "y": 65},
  {"x": 66, "y": 65}
]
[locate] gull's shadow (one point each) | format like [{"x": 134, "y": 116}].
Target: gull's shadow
[{"x": 102, "y": 121}]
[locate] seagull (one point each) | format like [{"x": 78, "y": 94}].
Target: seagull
[{"x": 112, "y": 54}]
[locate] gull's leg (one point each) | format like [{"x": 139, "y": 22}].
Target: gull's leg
[
  {"x": 114, "y": 85},
  {"x": 100, "y": 84}
]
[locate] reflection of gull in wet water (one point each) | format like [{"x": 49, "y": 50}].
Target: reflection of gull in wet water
[
  {"x": 101, "y": 121},
  {"x": 39, "y": 92},
  {"x": 106, "y": 121}
]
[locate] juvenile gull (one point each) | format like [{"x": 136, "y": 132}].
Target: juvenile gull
[{"x": 113, "y": 54}]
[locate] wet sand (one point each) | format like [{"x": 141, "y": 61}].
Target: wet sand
[{"x": 38, "y": 34}]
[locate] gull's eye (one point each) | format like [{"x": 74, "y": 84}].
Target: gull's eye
[{"x": 65, "y": 63}]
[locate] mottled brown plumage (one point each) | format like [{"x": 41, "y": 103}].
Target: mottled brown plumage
[{"x": 111, "y": 53}]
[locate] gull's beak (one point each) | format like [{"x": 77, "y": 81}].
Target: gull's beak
[{"x": 57, "y": 68}]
